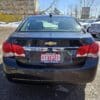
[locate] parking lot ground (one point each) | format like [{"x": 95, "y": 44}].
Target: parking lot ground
[{"x": 10, "y": 91}]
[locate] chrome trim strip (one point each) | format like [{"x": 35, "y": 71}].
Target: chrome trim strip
[{"x": 46, "y": 48}]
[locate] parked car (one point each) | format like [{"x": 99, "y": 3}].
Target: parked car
[
  {"x": 94, "y": 29},
  {"x": 50, "y": 49},
  {"x": 87, "y": 22}
]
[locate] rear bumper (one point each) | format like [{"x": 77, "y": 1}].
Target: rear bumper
[{"x": 74, "y": 75}]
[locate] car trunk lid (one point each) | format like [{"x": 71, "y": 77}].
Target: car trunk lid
[{"x": 51, "y": 49}]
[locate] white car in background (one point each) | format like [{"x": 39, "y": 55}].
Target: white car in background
[{"x": 86, "y": 22}]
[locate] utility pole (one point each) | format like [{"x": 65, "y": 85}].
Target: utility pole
[{"x": 36, "y": 8}]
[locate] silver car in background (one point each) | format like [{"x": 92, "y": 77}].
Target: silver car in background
[
  {"x": 94, "y": 29},
  {"x": 86, "y": 22}
]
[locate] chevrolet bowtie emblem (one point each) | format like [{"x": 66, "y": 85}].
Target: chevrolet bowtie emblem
[{"x": 50, "y": 43}]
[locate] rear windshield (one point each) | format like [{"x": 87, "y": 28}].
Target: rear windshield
[{"x": 50, "y": 24}]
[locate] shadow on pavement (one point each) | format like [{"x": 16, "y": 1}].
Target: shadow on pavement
[
  {"x": 45, "y": 92},
  {"x": 11, "y": 91}
]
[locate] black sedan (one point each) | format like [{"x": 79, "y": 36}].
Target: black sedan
[{"x": 50, "y": 49}]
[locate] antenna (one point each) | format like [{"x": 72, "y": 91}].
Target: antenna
[{"x": 50, "y": 15}]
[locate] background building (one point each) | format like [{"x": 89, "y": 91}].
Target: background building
[{"x": 19, "y": 7}]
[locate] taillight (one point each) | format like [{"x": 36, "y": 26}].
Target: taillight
[
  {"x": 10, "y": 50},
  {"x": 90, "y": 50},
  {"x": 18, "y": 50}
]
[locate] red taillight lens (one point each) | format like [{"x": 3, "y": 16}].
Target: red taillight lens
[
  {"x": 7, "y": 47},
  {"x": 90, "y": 50},
  {"x": 18, "y": 50},
  {"x": 94, "y": 48},
  {"x": 13, "y": 50},
  {"x": 82, "y": 51}
]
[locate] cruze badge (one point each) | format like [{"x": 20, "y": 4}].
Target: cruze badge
[{"x": 50, "y": 43}]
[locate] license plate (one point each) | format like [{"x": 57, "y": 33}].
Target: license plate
[{"x": 50, "y": 58}]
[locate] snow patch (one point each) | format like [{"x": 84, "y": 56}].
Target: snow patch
[{"x": 12, "y": 24}]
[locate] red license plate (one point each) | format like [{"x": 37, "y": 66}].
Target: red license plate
[{"x": 50, "y": 58}]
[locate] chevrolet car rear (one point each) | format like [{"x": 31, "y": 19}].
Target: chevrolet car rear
[{"x": 50, "y": 49}]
